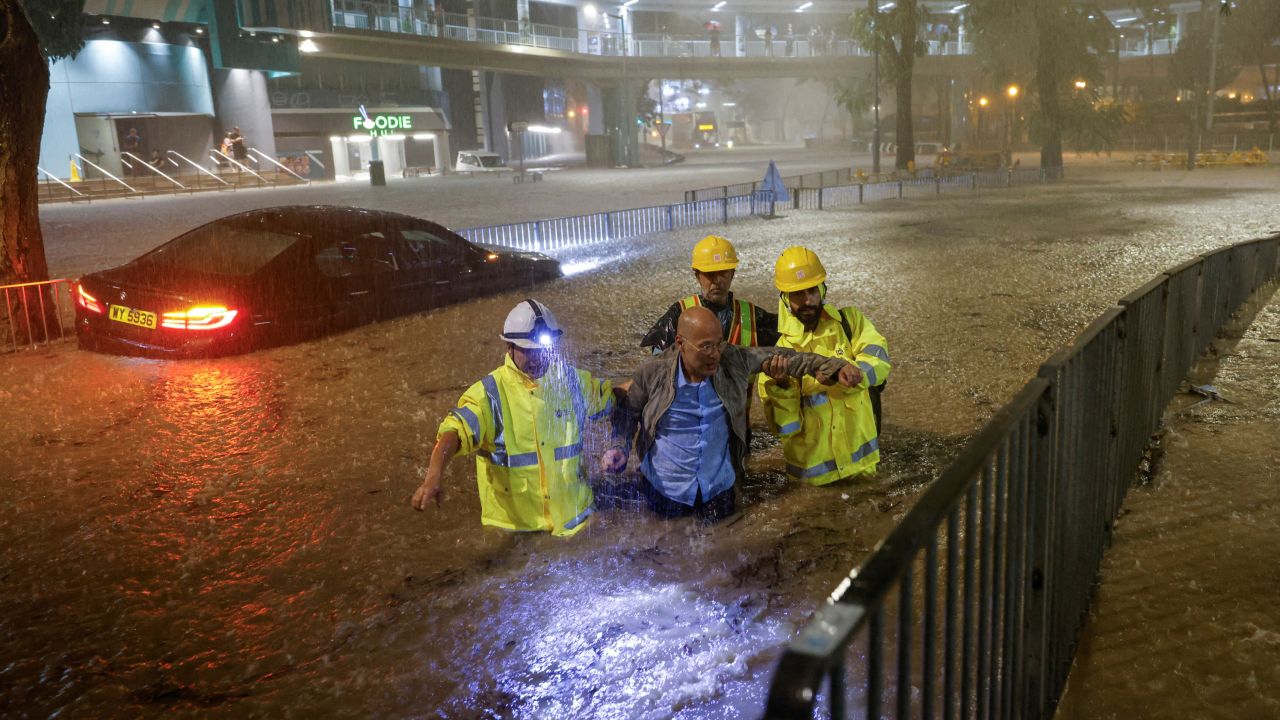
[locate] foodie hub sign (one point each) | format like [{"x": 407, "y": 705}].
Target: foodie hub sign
[{"x": 380, "y": 124}]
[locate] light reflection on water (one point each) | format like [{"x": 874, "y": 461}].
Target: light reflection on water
[{"x": 233, "y": 537}]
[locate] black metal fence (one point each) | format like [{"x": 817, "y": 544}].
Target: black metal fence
[{"x": 973, "y": 605}]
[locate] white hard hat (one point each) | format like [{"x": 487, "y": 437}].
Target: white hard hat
[{"x": 531, "y": 325}]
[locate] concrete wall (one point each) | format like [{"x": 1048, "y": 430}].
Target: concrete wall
[
  {"x": 113, "y": 77},
  {"x": 242, "y": 101}
]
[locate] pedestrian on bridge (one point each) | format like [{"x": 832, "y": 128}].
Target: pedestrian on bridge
[
  {"x": 828, "y": 433},
  {"x": 526, "y": 422}
]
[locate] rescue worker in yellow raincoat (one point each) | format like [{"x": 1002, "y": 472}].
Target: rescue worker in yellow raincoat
[
  {"x": 828, "y": 432},
  {"x": 714, "y": 263},
  {"x": 525, "y": 422}
]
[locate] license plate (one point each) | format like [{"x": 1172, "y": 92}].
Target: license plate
[{"x": 141, "y": 318}]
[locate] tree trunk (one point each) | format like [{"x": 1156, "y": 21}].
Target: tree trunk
[
  {"x": 1266, "y": 86},
  {"x": 905, "y": 132},
  {"x": 1049, "y": 84},
  {"x": 24, "y": 88}
]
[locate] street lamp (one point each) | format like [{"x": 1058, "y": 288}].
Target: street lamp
[
  {"x": 1081, "y": 84},
  {"x": 1012, "y": 91}
]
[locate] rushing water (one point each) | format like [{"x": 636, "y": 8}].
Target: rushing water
[{"x": 234, "y": 538}]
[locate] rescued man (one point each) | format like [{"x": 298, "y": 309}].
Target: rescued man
[
  {"x": 827, "y": 433},
  {"x": 714, "y": 263},
  {"x": 525, "y": 422},
  {"x": 690, "y": 406}
]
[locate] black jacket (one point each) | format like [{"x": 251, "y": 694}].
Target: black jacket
[{"x": 663, "y": 333}]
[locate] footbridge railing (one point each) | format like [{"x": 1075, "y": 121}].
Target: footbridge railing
[{"x": 973, "y": 605}]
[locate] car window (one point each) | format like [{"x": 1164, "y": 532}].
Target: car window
[
  {"x": 468, "y": 159},
  {"x": 364, "y": 254},
  {"x": 490, "y": 161},
  {"x": 427, "y": 249},
  {"x": 222, "y": 249}
]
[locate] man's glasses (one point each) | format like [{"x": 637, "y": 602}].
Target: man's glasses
[{"x": 711, "y": 348}]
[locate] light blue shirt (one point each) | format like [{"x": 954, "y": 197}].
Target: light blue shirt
[{"x": 691, "y": 446}]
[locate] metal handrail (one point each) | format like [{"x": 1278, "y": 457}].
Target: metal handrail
[
  {"x": 197, "y": 166},
  {"x": 58, "y": 180},
  {"x": 153, "y": 169},
  {"x": 277, "y": 163},
  {"x": 992, "y": 571},
  {"x": 240, "y": 165},
  {"x": 103, "y": 170}
]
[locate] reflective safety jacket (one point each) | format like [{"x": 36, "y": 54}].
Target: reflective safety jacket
[
  {"x": 527, "y": 436},
  {"x": 742, "y": 330},
  {"x": 828, "y": 432},
  {"x": 743, "y": 324}
]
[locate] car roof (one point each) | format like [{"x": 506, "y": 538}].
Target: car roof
[{"x": 309, "y": 216}]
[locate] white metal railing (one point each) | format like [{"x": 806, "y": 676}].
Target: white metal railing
[
  {"x": 197, "y": 166},
  {"x": 150, "y": 167},
  {"x": 277, "y": 163},
  {"x": 218, "y": 154},
  {"x": 50, "y": 176},
  {"x": 103, "y": 170}
]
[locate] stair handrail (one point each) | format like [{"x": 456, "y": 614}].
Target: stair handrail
[
  {"x": 197, "y": 166},
  {"x": 103, "y": 170},
  {"x": 58, "y": 180},
  {"x": 278, "y": 164},
  {"x": 152, "y": 168},
  {"x": 238, "y": 164}
]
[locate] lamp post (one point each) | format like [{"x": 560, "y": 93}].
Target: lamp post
[
  {"x": 983, "y": 102},
  {"x": 873, "y": 6},
  {"x": 1012, "y": 91}
]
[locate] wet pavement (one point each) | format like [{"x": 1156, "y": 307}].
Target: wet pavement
[
  {"x": 1184, "y": 623},
  {"x": 233, "y": 538}
]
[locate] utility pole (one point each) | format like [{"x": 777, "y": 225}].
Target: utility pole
[
  {"x": 872, "y": 5},
  {"x": 1213, "y": 66}
]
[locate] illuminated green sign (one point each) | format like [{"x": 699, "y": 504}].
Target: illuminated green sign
[{"x": 382, "y": 124}]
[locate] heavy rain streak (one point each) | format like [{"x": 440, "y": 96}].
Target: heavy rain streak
[{"x": 233, "y": 537}]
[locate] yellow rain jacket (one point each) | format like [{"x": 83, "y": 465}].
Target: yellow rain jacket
[
  {"x": 828, "y": 431},
  {"x": 527, "y": 436}
]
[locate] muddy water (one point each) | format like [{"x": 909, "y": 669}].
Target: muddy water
[
  {"x": 1185, "y": 621},
  {"x": 233, "y": 537}
]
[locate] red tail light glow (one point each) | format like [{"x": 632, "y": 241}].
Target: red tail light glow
[
  {"x": 199, "y": 318},
  {"x": 87, "y": 301}
]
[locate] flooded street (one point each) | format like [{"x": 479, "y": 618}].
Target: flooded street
[
  {"x": 1185, "y": 623},
  {"x": 233, "y": 538}
]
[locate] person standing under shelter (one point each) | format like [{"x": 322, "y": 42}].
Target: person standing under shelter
[
  {"x": 714, "y": 263},
  {"x": 526, "y": 422},
  {"x": 132, "y": 144},
  {"x": 690, "y": 408},
  {"x": 239, "y": 146},
  {"x": 827, "y": 434}
]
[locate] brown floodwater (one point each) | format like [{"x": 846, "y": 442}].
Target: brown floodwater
[{"x": 233, "y": 538}]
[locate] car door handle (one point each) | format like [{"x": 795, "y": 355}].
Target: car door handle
[
  {"x": 442, "y": 282},
  {"x": 358, "y": 292}
]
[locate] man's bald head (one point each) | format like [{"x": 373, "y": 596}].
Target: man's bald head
[{"x": 699, "y": 338}]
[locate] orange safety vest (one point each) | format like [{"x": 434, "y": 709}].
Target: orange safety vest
[{"x": 743, "y": 330}]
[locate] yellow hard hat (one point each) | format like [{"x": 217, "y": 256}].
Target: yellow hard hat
[
  {"x": 714, "y": 253},
  {"x": 798, "y": 268}
]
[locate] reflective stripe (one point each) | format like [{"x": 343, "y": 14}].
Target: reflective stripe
[
  {"x": 789, "y": 428},
  {"x": 867, "y": 448},
  {"x": 467, "y": 416},
  {"x": 876, "y": 351},
  {"x": 569, "y": 451},
  {"x": 814, "y": 471},
  {"x": 815, "y": 400},
  {"x": 691, "y": 301},
  {"x": 744, "y": 330},
  {"x": 579, "y": 519},
  {"x": 608, "y": 406},
  {"x": 869, "y": 371},
  {"x": 495, "y": 410},
  {"x": 522, "y": 460}
]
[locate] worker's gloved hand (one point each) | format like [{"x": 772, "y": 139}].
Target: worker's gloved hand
[{"x": 613, "y": 461}]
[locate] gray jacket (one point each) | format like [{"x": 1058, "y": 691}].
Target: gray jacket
[{"x": 653, "y": 389}]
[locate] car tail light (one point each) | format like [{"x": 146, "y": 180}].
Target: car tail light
[
  {"x": 87, "y": 301},
  {"x": 198, "y": 318}
]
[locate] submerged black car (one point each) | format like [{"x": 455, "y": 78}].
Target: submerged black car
[{"x": 279, "y": 275}]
